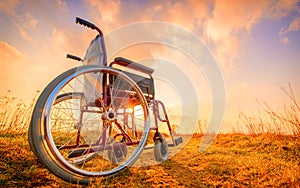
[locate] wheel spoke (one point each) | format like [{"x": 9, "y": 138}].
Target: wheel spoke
[{"x": 88, "y": 139}]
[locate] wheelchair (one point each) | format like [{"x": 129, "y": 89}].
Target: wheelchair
[{"x": 93, "y": 121}]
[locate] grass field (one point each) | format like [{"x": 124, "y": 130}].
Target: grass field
[
  {"x": 232, "y": 161},
  {"x": 268, "y": 156}
]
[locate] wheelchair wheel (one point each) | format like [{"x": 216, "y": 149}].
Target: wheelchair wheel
[
  {"x": 161, "y": 150},
  {"x": 118, "y": 154},
  {"x": 77, "y": 116}
]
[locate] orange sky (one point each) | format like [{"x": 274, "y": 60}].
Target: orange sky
[{"x": 255, "y": 43}]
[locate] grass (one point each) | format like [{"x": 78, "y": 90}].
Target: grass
[
  {"x": 266, "y": 157},
  {"x": 274, "y": 122},
  {"x": 14, "y": 114},
  {"x": 231, "y": 161},
  {"x": 19, "y": 166}
]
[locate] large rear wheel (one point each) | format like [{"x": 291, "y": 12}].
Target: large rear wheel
[{"x": 89, "y": 122}]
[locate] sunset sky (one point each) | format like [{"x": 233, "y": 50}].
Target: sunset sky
[{"x": 255, "y": 43}]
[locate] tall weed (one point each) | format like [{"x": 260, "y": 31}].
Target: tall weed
[
  {"x": 274, "y": 122},
  {"x": 15, "y": 114}
]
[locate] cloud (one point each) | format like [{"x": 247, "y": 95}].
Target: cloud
[
  {"x": 279, "y": 9},
  {"x": 9, "y": 7},
  {"x": 231, "y": 24},
  {"x": 107, "y": 9},
  {"x": 113, "y": 14},
  {"x": 30, "y": 18},
  {"x": 45, "y": 26},
  {"x": 23, "y": 21},
  {"x": 294, "y": 26},
  {"x": 12, "y": 68},
  {"x": 285, "y": 40},
  {"x": 19, "y": 74},
  {"x": 10, "y": 54},
  {"x": 224, "y": 25},
  {"x": 45, "y": 32}
]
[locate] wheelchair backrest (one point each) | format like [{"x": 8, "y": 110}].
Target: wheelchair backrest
[{"x": 96, "y": 52}]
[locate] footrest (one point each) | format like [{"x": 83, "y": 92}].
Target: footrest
[{"x": 178, "y": 140}]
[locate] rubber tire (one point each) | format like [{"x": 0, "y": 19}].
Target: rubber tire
[
  {"x": 36, "y": 137},
  {"x": 161, "y": 152},
  {"x": 39, "y": 145}
]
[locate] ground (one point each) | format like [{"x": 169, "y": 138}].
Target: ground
[{"x": 232, "y": 160}]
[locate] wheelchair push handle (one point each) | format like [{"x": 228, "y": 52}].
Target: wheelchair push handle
[{"x": 88, "y": 24}]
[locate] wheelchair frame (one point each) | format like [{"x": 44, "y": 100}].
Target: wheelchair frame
[
  {"x": 140, "y": 92},
  {"x": 144, "y": 83}
]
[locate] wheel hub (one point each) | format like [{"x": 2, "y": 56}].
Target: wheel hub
[{"x": 110, "y": 115}]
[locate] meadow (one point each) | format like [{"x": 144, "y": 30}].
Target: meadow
[
  {"x": 267, "y": 156},
  {"x": 233, "y": 160}
]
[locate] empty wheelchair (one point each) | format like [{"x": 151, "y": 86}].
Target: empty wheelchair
[{"x": 94, "y": 120}]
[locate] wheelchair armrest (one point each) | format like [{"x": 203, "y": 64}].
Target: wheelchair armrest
[{"x": 133, "y": 65}]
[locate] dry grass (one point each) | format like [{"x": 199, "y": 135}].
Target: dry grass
[
  {"x": 270, "y": 121},
  {"x": 267, "y": 158},
  {"x": 14, "y": 114},
  {"x": 231, "y": 161}
]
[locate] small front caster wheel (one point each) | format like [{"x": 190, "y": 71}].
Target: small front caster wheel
[
  {"x": 118, "y": 153},
  {"x": 161, "y": 150}
]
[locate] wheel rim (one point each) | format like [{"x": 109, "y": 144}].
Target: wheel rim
[{"x": 58, "y": 134}]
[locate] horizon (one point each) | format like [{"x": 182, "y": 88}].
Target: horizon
[{"x": 257, "y": 47}]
